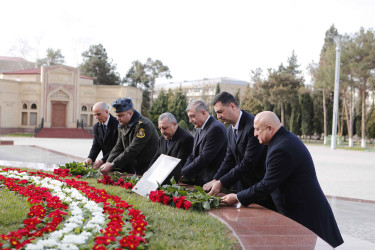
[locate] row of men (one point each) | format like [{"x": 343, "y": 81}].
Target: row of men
[{"x": 255, "y": 156}]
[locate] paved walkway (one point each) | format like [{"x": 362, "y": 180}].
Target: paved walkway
[{"x": 341, "y": 173}]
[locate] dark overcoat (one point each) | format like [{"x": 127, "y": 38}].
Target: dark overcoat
[{"x": 292, "y": 182}]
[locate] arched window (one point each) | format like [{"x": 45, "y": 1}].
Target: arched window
[
  {"x": 84, "y": 108},
  {"x": 24, "y": 106},
  {"x": 33, "y": 106}
]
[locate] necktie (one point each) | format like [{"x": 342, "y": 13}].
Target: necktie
[
  {"x": 235, "y": 134},
  {"x": 168, "y": 142},
  {"x": 104, "y": 128}
]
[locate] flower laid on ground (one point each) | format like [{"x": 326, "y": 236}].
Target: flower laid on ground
[
  {"x": 77, "y": 169},
  {"x": 119, "y": 179},
  {"x": 181, "y": 197},
  {"x": 64, "y": 218},
  {"x": 192, "y": 198}
]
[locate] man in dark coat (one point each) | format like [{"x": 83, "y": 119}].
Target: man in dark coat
[
  {"x": 243, "y": 165},
  {"x": 174, "y": 141},
  {"x": 291, "y": 180},
  {"x": 136, "y": 143},
  {"x": 105, "y": 134},
  {"x": 210, "y": 143}
]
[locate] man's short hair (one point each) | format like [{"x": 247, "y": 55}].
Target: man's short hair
[
  {"x": 197, "y": 105},
  {"x": 170, "y": 117},
  {"x": 225, "y": 98}
]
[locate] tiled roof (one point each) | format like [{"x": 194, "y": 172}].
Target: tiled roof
[{"x": 24, "y": 71}]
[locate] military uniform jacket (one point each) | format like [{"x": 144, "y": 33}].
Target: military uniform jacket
[
  {"x": 136, "y": 145},
  {"x": 104, "y": 142}
]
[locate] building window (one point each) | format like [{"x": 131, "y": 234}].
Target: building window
[
  {"x": 24, "y": 118},
  {"x": 84, "y": 108},
  {"x": 33, "y": 106},
  {"x": 24, "y": 106}
]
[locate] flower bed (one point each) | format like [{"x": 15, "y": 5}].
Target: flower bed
[
  {"x": 173, "y": 195},
  {"x": 62, "y": 217}
]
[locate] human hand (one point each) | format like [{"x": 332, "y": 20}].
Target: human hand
[
  {"x": 106, "y": 167},
  {"x": 229, "y": 199},
  {"x": 207, "y": 187},
  {"x": 216, "y": 188},
  {"x": 98, "y": 163},
  {"x": 88, "y": 161}
]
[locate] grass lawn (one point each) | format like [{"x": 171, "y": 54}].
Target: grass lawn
[
  {"x": 172, "y": 228},
  {"x": 18, "y": 135}
]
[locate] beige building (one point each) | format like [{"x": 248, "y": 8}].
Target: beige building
[
  {"x": 57, "y": 95},
  {"x": 205, "y": 89}
]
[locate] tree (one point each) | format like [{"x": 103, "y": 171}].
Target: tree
[
  {"x": 143, "y": 75},
  {"x": 159, "y": 106},
  {"x": 362, "y": 50},
  {"x": 323, "y": 74},
  {"x": 153, "y": 70},
  {"x": 284, "y": 85},
  {"x": 370, "y": 124},
  {"x": 96, "y": 64},
  {"x": 53, "y": 57},
  {"x": 307, "y": 110},
  {"x": 256, "y": 94},
  {"x": 177, "y": 106}
]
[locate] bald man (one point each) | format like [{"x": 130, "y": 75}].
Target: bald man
[
  {"x": 105, "y": 134},
  {"x": 291, "y": 180}
]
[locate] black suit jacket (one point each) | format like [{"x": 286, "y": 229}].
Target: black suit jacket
[
  {"x": 180, "y": 147},
  {"x": 208, "y": 153},
  {"x": 244, "y": 160},
  {"x": 103, "y": 142},
  {"x": 292, "y": 182}
]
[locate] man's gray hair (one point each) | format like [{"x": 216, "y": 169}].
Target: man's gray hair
[
  {"x": 197, "y": 105},
  {"x": 102, "y": 105},
  {"x": 170, "y": 117}
]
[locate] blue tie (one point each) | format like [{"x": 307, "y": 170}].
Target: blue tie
[
  {"x": 168, "y": 142},
  {"x": 104, "y": 128},
  {"x": 235, "y": 134}
]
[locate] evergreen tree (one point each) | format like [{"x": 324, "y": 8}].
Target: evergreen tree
[
  {"x": 159, "y": 106},
  {"x": 53, "y": 57},
  {"x": 307, "y": 109},
  {"x": 96, "y": 64},
  {"x": 177, "y": 106}
]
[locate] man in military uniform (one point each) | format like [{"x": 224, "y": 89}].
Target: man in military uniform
[{"x": 137, "y": 140}]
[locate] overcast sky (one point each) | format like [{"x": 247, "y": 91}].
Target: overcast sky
[{"x": 195, "y": 39}]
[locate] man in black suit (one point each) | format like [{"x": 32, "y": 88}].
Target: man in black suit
[
  {"x": 210, "y": 143},
  {"x": 105, "y": 134},
  {"x": 174, "y": 141},
  {"x": 243, "y": 165},
  {"x": 291, "y": 180}
]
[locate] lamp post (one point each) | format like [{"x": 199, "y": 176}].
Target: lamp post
[{"x": 336, "y": 93}]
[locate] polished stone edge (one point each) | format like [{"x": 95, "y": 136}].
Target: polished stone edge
[
  {"x": 7, "y": 142},
  {"x": 349, "y": 199},
  {"x": 59, "y": 153},
  {"x": 228, "y": 226}
]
